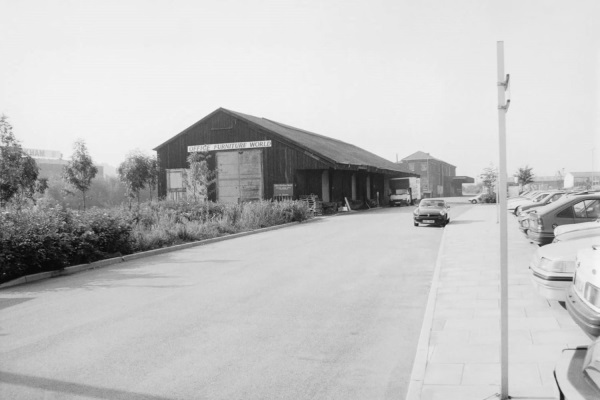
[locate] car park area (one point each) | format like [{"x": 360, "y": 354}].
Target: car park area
[
  {"x": 565, "y": 271},
  {"x": 463, "y": 346}
]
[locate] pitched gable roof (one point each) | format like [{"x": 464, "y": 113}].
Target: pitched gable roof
[
  {"x": 421, "y": 155},
  {"x": 333, "y": 150}
]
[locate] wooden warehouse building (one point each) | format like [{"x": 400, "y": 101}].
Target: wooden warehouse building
[{"x": 256, "y": 158}]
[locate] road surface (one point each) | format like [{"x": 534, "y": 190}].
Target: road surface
[{"x": 329, "y": 309}]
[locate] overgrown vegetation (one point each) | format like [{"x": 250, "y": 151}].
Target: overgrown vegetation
[
  {"x": 80, "y": 171},
  {"x": 137, "y": 172},
  {"x": 51, "y": 238},
  {"x": 18, "y": 171}
]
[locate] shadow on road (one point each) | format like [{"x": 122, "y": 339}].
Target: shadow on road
[
  {"x": 5, "y": 303},
  {"x": 465, "y": 221},
  {"x": 71, "y": 388}
]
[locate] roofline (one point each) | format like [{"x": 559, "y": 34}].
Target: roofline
[
  {"x": 309, "y": 151},
  {"x": 188, "y": 128},
  {"x": 429, "y": 157}
]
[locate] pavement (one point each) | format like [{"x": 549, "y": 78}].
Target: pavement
[{"x": 458, "y": 356}]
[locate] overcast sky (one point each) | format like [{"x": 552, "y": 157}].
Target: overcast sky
[{"x": 392, "y": 76}]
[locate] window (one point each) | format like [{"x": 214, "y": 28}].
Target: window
[
  {"x": 175, "y": 184},
  {"x": 592, "y": 208},
  {"x": 587, "y": 209},
  {"x": 423, "y": 167},
  {"x": 411, "y": 166},
  {"x": 566, "y": 213},
  {"x": 579, "y": 209}
]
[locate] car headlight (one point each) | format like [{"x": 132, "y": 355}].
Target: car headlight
[
  {"x": 556, "y": 265},
  {"x": 442, "y": 213},
  {"x": 416, "y": 212}
]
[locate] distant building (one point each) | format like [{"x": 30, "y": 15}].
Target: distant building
[
  {"x": 546, "y": 183},
  {"x": 584, "y": 180},
  {"x": 438, "y": 178},
  {"x": 51, "y": 164}
]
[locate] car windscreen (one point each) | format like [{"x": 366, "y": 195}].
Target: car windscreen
[{"x": 430, "y": 203}]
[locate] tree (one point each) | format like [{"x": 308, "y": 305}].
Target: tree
[
  {"x": 103, "y": 192},
  {"x": 135, "y": 173},
  {"x": 18, "y": 171},
  {"x": 153, "y": 170},
  {"x": 80, "y": 171},
  {"x": 199, "y": 179},
  {"x": 489, "y": 176},
  {"x": 524, "y": 176}
]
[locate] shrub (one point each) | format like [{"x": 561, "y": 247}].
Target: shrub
[
  {"x": 489, "y": 198},
  {"x": 38, "y": 240},
  {"x": 47, "y": 238}
]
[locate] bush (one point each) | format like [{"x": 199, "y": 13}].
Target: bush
[
  {"x": 489, "y": 198},
  {"x": 47, "y": 238},
  {"x": 39, "y": 240},
  {"x": 170, "y": 223}
]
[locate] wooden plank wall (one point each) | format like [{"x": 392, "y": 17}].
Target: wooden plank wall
[{"x": 280, "y": 162}]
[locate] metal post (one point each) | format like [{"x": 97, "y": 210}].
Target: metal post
[
  {"x": 593, "y": 170},
  {"x": 502, "y": 109}
]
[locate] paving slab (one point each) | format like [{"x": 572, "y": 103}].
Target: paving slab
[{"x": 459, "y": 350}]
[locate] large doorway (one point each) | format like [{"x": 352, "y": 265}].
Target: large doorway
[{"x": 239, "y": 176}]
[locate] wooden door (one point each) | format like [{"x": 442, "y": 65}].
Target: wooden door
[{"x": 239, "y": 176}]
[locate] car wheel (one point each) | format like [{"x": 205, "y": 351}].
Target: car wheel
[
  {"x": 473, "y": 201},
  {"x": 416, "y": 224}
]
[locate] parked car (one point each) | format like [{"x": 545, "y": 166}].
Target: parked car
[
  {"x": 583, "y": 297},
  {"x": 432, "y": 212},
  {"x": 549, "y": 198},
  {"x": 525, "y": 195},
  {"x": 522, "y": 194},
  {"x": 523, "y": 211},
  {"x": 553, "y": 266},
  {"x": 401, "y": 197},
  {"x": 512, "y": 205},
  {"x": 576, "y": 373},
  {"x": 576, "y": 231},
  {"x": 573, "y": 209},
  {"x": 478, "y": 198}
]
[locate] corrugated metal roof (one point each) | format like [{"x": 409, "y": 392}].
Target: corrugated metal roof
[
  {"x": 332, "y": 149},
  {"x": 329, "y": 149}
]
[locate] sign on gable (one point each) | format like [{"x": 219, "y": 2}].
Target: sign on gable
[{"x": 229, "y": 146}]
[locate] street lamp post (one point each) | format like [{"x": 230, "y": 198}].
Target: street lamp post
[{"x": 503, "y": 105}]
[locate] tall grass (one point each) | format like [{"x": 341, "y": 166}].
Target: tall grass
[
  {"x": 170, "y": 223},
  {"x": 50, "y": 238}
]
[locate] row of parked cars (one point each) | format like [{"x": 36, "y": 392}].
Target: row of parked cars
[{"x": 566, "y": 268}]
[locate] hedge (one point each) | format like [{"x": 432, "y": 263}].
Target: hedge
[{"x": 51, "y": 238}]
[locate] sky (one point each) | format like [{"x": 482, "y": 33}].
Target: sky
[{"x": 390, "y": 76}]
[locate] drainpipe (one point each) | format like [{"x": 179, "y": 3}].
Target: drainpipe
[{"x": 428, "y": 178}]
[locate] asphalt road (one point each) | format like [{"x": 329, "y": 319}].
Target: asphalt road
[{"x": 329, "y": 309}]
